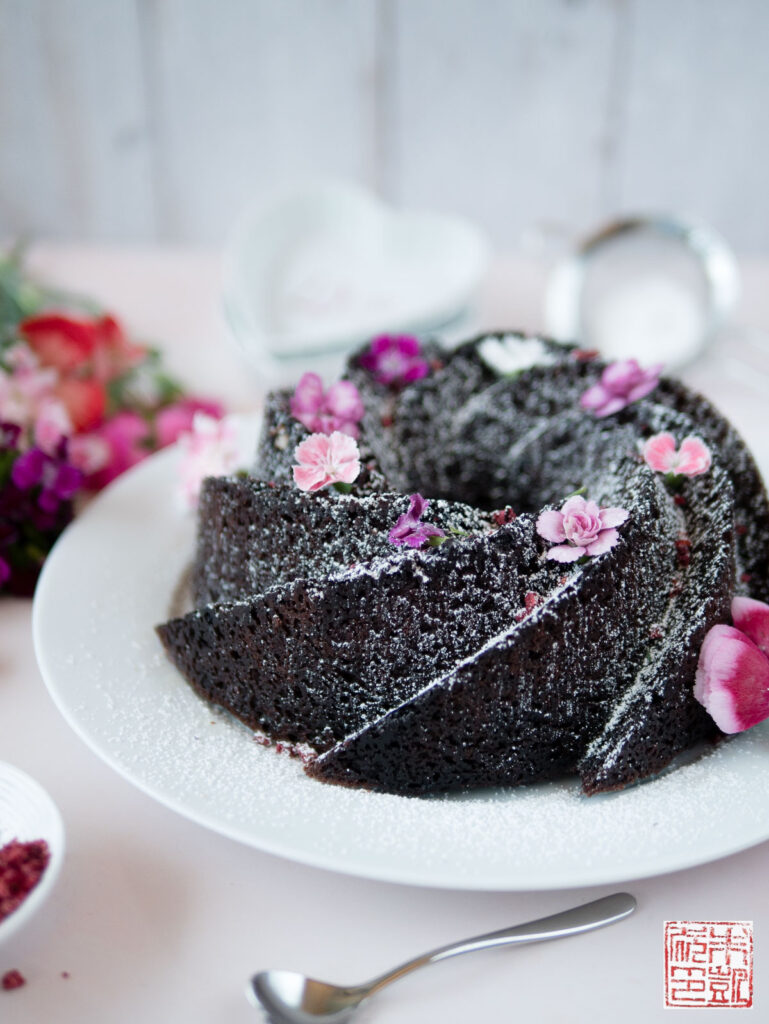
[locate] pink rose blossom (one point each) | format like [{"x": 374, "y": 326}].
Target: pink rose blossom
[
  {"x": 176, "y": 419},
  {"x": 580, "y": 528},
  {"x": 324, "y": 460},
  {"x": 209, "y": 449},
  {"x": 339, "y": 408},
  {"x": 691, "y": 459},
  {"x": 732, "y": 681},
  {"x": 621, "y": 383},
  {"x": 395, "y": 360}
]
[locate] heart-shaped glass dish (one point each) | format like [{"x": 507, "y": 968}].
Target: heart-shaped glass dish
[
  {"x": 28, "y": 813},
  {"x": 322, "y": 269}
]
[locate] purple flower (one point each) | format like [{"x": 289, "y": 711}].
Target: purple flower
[
  {"x": 9, "y": 435},
  {"x": 621, "y": 383},
  {"x": 5, "y": 571},
  {"x": 322, "y": 412},
  {"x": 410, "y": 530},
  {"x": 580, "y": 528},
  {"x": 58, "y": 481},
  {"x": 395, "y": 360}
]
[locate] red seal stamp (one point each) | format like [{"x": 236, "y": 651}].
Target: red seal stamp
[{"x": 708, "y": 963}]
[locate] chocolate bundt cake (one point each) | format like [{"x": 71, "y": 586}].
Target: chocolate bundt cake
[{"x": 421, "y": 646}]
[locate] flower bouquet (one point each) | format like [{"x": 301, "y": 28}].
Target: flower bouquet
[{"x": 80, "y": 403}]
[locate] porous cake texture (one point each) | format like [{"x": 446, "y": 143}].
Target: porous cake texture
[{"x": 478, "y": 662}]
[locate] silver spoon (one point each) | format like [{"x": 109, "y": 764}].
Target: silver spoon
[{"x": 291, "y": 998}]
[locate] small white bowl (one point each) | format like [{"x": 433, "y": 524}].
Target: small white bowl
[
  {"x": 27, "y": 813},
  {"x": 314, "y": 271}
]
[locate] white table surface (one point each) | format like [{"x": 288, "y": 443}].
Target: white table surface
[{"x": 157, "y": 920}]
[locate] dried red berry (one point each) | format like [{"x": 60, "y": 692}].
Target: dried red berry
[
  {"x": 683, "y": 551},
  {"x": 680, "y": 500},
  {"x": 21, "y": 867},
  {"x": 503, "y": 515},
  {"x": 13, "y": 979}
]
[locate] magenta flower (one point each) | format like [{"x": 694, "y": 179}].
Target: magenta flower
[
  {"x": 176, "y": 419},
  {"x": 621, "y": 383},
  {"x": 57, "y": 479},
  {"x": 691, "y": 459},
  {"x": 732, "y": 681},
  {"x": 580, "y": 528},
  {"x": 339, "y": 408},
  {"x": 324, "y": 459},
  {"x": 409, "y": 529},
  {"x": 118, "y": 444},
  {"x": 5, "y": 571},
  {"x": 395, "y": 360}
]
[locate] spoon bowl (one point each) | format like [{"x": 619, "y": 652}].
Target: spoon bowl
[{"x": 292, "y": 998}]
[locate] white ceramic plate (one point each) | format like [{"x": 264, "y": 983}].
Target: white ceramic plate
[
  {"x": 111, "y": 578},
  {"x": 27, "y": 813}
]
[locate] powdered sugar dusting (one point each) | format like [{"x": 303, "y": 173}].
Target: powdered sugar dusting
[{"x": 106, "y": 671}]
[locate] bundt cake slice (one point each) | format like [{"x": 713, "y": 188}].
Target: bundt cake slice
[
  {"x": 254, "y": 535},
  {"x": 314, "y": 660}
]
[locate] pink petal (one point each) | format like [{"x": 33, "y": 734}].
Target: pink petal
[
  {"x": 752, "y": 618},
  {"x": 605, "y": 540},
  {"x": 344, "y": 401},
  {"x": 619, "y": 377},
  {"x": 694, "y": 457},
  {"x": 313, "y": 449},
  {"x": 611, "y": 406},
  {"x": 550, "y": 526},
  {"x": 642, "y": 389},
  {"x": 594, "y": 397},
  {"x": 566, "y": 553},
  {"x": 342, "y": 446},
  {"x": 309, "y": 478},
  {"x": 732, "y": 681},
  {"x": 659, "y": 452},
  {"x": 575, "y": 506},
  {"x": 346, "y": 472},
  {"x": 613, "y": 517},
  {"x": 308, "y": 397},
  {"x": 349, "y": 427}
]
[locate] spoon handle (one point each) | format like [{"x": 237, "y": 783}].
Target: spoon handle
[{"x": 584, "y": 918}]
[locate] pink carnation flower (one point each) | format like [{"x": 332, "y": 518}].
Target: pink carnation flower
[
  {"x": 324, "y": 460},
  {"x": 339, "y": 408},
  {"x": 732, "y": 681},
  {"x": 395, "y": 360},
  {"x": 580, "y": 528},
  {"x": 621, "y": 383},
  {"x": 691, "y": 459},
  {"x": 209, "y": 449}
]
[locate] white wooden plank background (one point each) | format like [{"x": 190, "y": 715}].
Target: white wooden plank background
[{"x": 157, "y": 120}]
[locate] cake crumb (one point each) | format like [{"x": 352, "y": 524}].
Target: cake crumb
[{"x": 13, "y": 979}]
